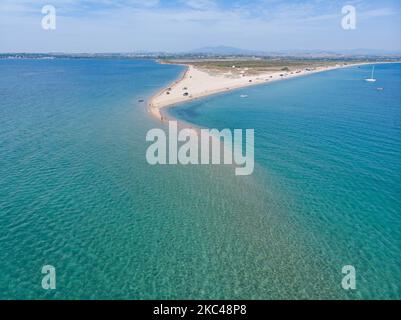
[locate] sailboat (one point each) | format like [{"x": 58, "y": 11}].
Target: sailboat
[{"x": 372, "y": 79}]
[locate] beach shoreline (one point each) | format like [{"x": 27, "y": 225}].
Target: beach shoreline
[{"x": 194, "y": 84}]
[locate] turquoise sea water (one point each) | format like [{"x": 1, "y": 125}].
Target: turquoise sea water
[
  {"x": 333, "y": 144},
  {"x": 77, "y": 193}
]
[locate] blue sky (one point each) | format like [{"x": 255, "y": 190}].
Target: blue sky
[{"x": 180, "y": 25}]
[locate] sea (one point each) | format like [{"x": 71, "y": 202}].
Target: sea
[{"x": 77, "y": 193}]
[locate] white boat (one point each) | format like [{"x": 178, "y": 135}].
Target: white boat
[
  {"x": 244, "y": 96},
  {"x": 372, "y": 78}
]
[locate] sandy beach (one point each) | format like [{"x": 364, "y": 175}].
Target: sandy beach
[{"x": 196, "y": 83}]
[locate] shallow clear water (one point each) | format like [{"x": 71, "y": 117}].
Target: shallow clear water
[{"x": 76, "y": 191}]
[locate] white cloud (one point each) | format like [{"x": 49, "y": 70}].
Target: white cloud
[
  {"x": 201, "y": 4},
  {"x": 148, "y": 25}
]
